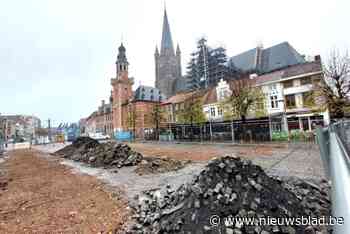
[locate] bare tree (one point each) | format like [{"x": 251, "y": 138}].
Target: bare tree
[
  {"x": 334, "y": 88},
  {"x": 192, "y": 111},
  {"x": 157, "y": 117},
  {"x": 244, "y": 98}
]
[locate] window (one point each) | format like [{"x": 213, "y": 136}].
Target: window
[
  {"x": 212, "y": 111},
  {"x": 288, "y": 84},
  {"x": 223, "y": 93},
  {"x": 308, "y": 99},
  {"x": 290, "y": 101},
  {"x": 152, "y": 97},
  {"x": 219, "y": 111},
  {"x": 273, "y": 101},
  {"x": 305, "y": 81},
  {"x": 260, "y": 106}
]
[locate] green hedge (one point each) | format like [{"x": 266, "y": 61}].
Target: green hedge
[
  {"x": 294, "y": 135},
  {"x": 280, "y": 136}
]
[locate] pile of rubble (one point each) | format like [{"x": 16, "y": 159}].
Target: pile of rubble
[
  {"x": 229, "y": 187},
  {"x": 314, "y": 198},
  {"x": 106, "y": 155},
  {"x": 152, "y": 165},
  {"x": 80, "y": 145}
]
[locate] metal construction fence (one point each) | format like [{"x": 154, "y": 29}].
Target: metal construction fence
[
  {"x": 334, "y": 143},
  {"x": 249, "y": 131}
]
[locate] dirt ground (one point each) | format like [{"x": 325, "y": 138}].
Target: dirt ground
[
  {"x": 43, "y": 196},
  {"x": 201, "y": 152},
  {"x": 295, "y": 159}
]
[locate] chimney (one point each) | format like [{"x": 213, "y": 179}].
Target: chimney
[
  {"x": 318, "y": 58},
  {"x": 258, "y": 56}
]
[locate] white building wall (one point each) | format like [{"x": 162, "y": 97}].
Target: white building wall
[{"x": 274, "y": 90}]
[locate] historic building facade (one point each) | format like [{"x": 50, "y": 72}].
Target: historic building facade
[
  {"x": 132, "y": 111},
  {"x": 121, "y": 89},
  {"x": 289, "y": 100},
  {"x": 168, "y": 63},
  {"x": 99, "y": 121}
]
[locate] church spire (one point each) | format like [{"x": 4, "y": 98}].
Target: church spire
[
  {"x": 156, "y": 53},
  {"x": 167, "y": 47},
  {"x": 178, "y": 51}
]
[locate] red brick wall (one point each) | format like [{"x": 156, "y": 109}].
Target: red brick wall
[{"x": 143, "y": 111}]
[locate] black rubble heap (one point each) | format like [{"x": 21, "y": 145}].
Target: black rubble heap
[{"x": 228, "y": 186}]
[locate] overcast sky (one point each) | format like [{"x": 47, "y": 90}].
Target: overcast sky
[{"x": 57, "y": 56}]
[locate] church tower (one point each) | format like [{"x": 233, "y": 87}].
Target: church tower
[
  {"x": 121, "y": 88},
  {"x": 167, "y": 62}
]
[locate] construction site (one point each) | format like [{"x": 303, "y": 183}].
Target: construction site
[{"x": 92, "y": 187}]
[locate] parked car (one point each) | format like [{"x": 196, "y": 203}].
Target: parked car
[{"x": 99, "y": 136}]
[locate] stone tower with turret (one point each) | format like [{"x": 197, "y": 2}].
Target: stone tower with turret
[
  {"x": 167, "y": 62},
  {"x": 121, "y": 88}
]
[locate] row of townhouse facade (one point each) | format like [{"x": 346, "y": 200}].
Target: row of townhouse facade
[
  {"x": 284, "y": 77},
  {"x": 19, "y": 126},
  {"x": 288, "y": 95},
  {"x": 100, "y": 121}
]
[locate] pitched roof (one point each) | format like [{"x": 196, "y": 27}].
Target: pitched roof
[
  {"x": 179, "y": 97},
  {"x": 148, "y": 93},
  {"x": 211, "y": 96},
  {"x": 272, "y": 58},
  {"x": 183, "y": 96},
  {"x": 295, "y": 70},
  {"x": 244, "y": 61}
]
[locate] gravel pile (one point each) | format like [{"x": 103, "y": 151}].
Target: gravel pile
[
  {"x": 152, "y": 165},
  {"x": 314, "y": 197},
  {"x": 107, "y": 155},
  {"x": 229, "y": 186}
]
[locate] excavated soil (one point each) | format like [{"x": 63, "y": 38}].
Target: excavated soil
[{"x": 39, "y": 195}]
